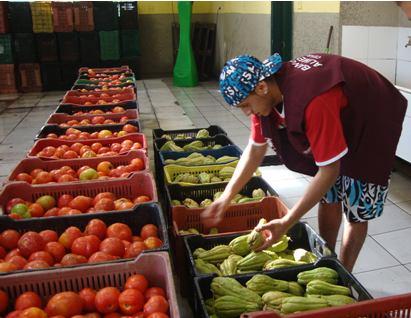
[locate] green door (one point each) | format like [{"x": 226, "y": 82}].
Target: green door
[{"x": 282, "y": 28}]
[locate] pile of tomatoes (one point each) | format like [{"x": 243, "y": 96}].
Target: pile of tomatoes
[
  {"x": 115, "y": 110},
  {"x": 93, "y": 121},
  {"x": 97, "y": 243},
  {"x": 136, "y": 299},
  {"x": 104, "y": 170}
]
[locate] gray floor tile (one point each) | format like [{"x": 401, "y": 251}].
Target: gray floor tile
[
  {"x": 408, "y": 266},
  {"x": 6, "y": 168},
  {"x": 393, "y": 218},
  {"x": 290, "y": 202},
  {"x": 406, "y": 206},
  {"x": 399, "y": 194},
  {"x": 386, "y": 282},
  {"x": 200, "y": 122},
  {"x": 397, "y": 243},
  {"x": 313, "y": 221},
  {"x": 278, "y": 173},
  {"x": 288, "y": 187},
  {"x": 9, "y": 97}
]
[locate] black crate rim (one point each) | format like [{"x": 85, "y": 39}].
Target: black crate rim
[{"x": 213, "y": 130}]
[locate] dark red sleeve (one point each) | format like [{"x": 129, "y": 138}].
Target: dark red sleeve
[{"x": 256, "y": 136}]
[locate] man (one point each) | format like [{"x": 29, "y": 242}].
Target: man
[{"x": 326, "y": 116}]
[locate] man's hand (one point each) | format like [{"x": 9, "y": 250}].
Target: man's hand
[
  {"x": 272, "y": 231},
  {"x": 214, "y": 213}
]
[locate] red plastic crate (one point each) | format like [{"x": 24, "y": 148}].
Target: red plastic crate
[
  {"x": 63, "y": 20},
  {"x": 4, "y": 25},
  {"x": 28, "y": 164},
  {"x": 83, "y": 16},
  {"x": 107, "y": 70},
  {"x": 7, "y": 79},
  {"x": 30, "y": 78},
  {"x": 42, "y": 143},
  {"x": 154, "y": 266},
  {"x": 140, "y": 183},
  {"x": 398, "y": 306},
  {"x": 60, "y": 118},
  {"x": 73, "y": 97}
]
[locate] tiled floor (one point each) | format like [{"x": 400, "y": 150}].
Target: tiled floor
[{"x": 384, "y": 264}]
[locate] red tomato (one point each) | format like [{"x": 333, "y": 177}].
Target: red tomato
[
  {"x": 72, "y": 259},
  {"x": 135, "y": 249},
  {"x": 153, "y": 242},
  {"x": 88, "y": 295},
  {"x": 19, "y": 261},
  {"x": 101, "y": 257},
  {"x": 131, "y": 301},
  {"x": 6, "y": 267},
  {"x": 29, "y": 243},
  {"x": 156, "y": 304},
  {"x": 36, "y": 210},
  {"x": 148, "y": 230},
  {"x": 96, "y": 227},
  {"x": 158, "y": 315},
  {"x": 14, "y": 314},
  {"x": 137, "y": 163},
  {"x": 104, "y": 205},
  {"x": 154, "y": 291},
  {"x": 42, "y": 256},
  {"x": 137, "y": 281},
  {"x": 113, "y": 246},
  {"x": 69, "y": 235},
  {"x": 9, "y": 239},
  {"x": 67, "y": 304},
  {"x": 107, "y": 300},
  {"x": 37, "y": 264},
  {"x": 56, "y": 249},
  {"x": 64, "y": 200},
  {"x": 86, "y": 245},
  {"x": 120, "y": 230},
  {"x": 12, "y": 253},
  {"x": 24, "y": 177},
  {"x": 49, "y": 236},
  {"x": 33, "y": 312},
  {"x": 27, "y": 300},
  {"x": 4, "y": 301},
  {"x": 81, "y": 203}
]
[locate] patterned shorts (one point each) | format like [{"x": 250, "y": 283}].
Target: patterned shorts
[{"x": 361, "y": 201}]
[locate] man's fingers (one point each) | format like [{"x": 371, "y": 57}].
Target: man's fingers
[
  {"x": 267, "y": 243},
  {"x": 262, "y": 227}
]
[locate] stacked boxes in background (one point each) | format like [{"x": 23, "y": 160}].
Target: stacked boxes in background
[{"x": 59, "y": 37}]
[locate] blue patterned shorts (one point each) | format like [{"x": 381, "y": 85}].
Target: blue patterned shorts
[{"x": 361, "y": 201}]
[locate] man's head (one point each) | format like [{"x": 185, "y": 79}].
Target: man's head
[{"x": 247, "y": 83}]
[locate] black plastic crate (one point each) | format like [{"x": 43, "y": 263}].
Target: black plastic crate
[
  {"x": 48, "y": 129},
  {"x": 203, "y": 284},
  {"x": 128, "y": 15},
  {"x": 213, "y": 131},
  {"x": 51, "y": 76},
  {"x": 105, "y": 15},
  {"x": 134, "y": 64},
  {"x": 70, "y": 109},
  {"x": 68, "y": 44},
  {"x": 142, "y": 214},
  {"x": 47, "y": 47},
  {"x": 89, "y": 48},
  {"x": 24, "y": 48},
  {"x": 20, "y": 17},
  {"x": 302, "y": 236},
  {"x": 130, "y": 43},
  {"x": 69, "y": 72}
]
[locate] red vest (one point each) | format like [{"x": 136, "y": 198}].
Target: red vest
[{"x": 372, "y": 121}]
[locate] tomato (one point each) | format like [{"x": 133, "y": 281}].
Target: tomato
[
  {"x": 42, "y": 256},
  {"x": 67, "y": 304},
  {"x": 49, "y": 236},
  {"x": 27, "y": 300},
  {"x": 153, "y": 242},
  {"x": 69, "y": 235},
  {"x": 12, "y": 203},
  {"x": 19, "y": 261},
  {"x": 51, "y": 212},
  {"x": 55, "y": 249},
  {"x": 86, "y": 245},
  {"x": 130, "y": 128},
  {"x": 70, "y": 154},
  {"x": 137, "y": 238},
  {"x": 148, "y": 230},
  {"x": 103, "y": 150},
  {"x": 47, "y": 202},
  {"x": 81, "y": 169},
  {"x": 138, "y": 282},
  {"x": 2, "y": 253},
  {"x": 66, "y": 178},
  {"x": 113, "y": 246},
  {"x": 115, "y": 146},
  {"x": 81, "y": 203},
  {"x": 97, "y": 120},
  {"x": 105, "y": 166},
  {"x": 103, "y": 195},
  {"x": 43, "y": 177},
  {"x": 105, "y": 205},
  {"x": 158, "y": 315},
  {"x": 24, "y": 177},
  {"x": 88, "y": 295},
  {"x": 14, "y": 314},
  {"x": 33, "y": 312},
  {"x": 135, "y": 249},
  {"x": 137, "y": 164},
  {"x": 6, "y": 267},
  {"x": 9, "y": 239},
  {"x": 113, "y": 315},
  {"x": 131, "y": 301},
  {"x": 4, "y": 301},
  {"x": 153, "y": 291},
  {"x": 36, "y": 210},
  {"x": 120, "y": 230},
  {"x": 156, "y": 304},
  {"x": 36, "y": 264},
  {"x": 107, "y": 300},
  {"x": 96, "y": 227},
  {"x": 64, "y": 200},
  {"x": 96, "y": 146},
  {"x": 12, "y": 253},
  {"x": 101, "y": 257},
  {"x": 29, "y": 243},
  {"x": 73, "y": 259}
]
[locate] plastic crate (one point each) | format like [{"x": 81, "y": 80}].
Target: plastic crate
[
  {"x": 89, "y": 47},
  {"x": 128, "y": 15},
  {"x": 391, "y": 306},
  {"x": 142, "y": 214},
  {"x": 71, "y": 109},
  {"x": 106, "y": 70},
  {"x": 4, "y": 21},
  {"x": 74, "y": 97},
  {"x": 51, "y": 76},
  {"x": 6, "y": 52},
  {"x": 7, "y": 79},
  {"x": 171, "y": 171},
  {"x": 83, "y": 16},
  {"x": 105, "y": 15},
  {"x": 109, "y": 45},
  {"x": 213, "y": 131},
  {"x": 68, "y": 44},
  {"x": 63, "y": 20},
  {"x": 202, "y": 284},
  {"x": 47, "y": 47},
  {"x": 41, "y": 14},
  {"x": 140, "y": 183},
  {"x": 47, "y": 129},
  {"x": 302, "y": 236},
  {"x": 57, "y": 119},
  {"x": 30, "y": 78},
  {"x": 155, "y": 267},
  {"x": 28, "y": 164},
  {"x": 20, "y": 17},
  {"x": 231, "y": 150},
  {"x": 41, "y": 143},
  {"x": 130, "y": 43},
  {"x": 25, "y": 48},
  {"x": 134, "y": 63}
]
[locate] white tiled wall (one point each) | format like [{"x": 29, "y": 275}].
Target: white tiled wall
[{"x": 382, "y": 48}]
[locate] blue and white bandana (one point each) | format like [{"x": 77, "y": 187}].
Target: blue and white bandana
[{"x": 241, "y": 74}]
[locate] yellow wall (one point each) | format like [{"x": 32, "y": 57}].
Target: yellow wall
[
  {"x": 317, "y": 6},
  {"x": 199, "y": 7}
]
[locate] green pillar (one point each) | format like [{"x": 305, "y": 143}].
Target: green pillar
[{"x": 185, "y": 70}]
